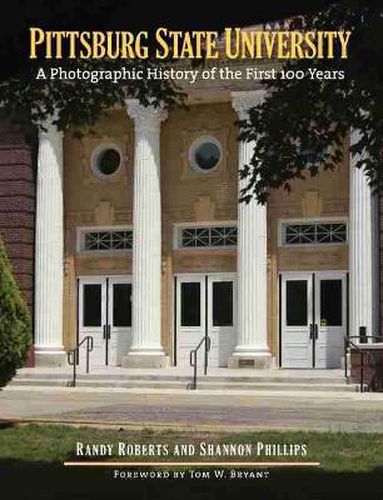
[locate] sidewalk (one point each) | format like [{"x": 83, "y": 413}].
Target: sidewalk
[{"x": 351, "y": 412}]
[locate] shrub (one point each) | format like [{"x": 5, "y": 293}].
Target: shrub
[{"x": 15, "y": 322}]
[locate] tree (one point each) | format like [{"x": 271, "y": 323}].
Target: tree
[
  {"x": 73, "y": 103},
  {"x": 78, "y": 103},
  {"x": 301, "y": 127},
  {"x": 15, "y": 322}
]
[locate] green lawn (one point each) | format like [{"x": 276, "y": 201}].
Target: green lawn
[
  {"x": 354, "y": 452},
  {"x": 32, "y": 455}
]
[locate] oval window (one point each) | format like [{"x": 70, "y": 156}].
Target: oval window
[
  {"x": 205, "y": 154},
  {"x": 107, "y": 161}
]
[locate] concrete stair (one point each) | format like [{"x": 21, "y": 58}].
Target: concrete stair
[{"x": 304, "y": 381}]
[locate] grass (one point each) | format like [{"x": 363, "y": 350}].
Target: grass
[
  {"x": 32, "y": 455},
  {"x": 354, "y": 452}
]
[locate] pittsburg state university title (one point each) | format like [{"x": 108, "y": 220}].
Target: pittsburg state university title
[{"x": 234, "y": 43}]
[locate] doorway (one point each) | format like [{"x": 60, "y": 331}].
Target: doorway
[
  {"x": 313, "y": 319},
  {"x": 105, "y": 313},
  {"x": 205, "y": 305}
]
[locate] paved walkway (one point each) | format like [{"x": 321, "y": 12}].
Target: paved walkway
[{"x": 196, "y": 410}]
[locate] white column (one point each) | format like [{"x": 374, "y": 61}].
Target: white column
[
  {"x": 146, "y": 349},
  {"x": 49, "y": 250},
  {"x": 252, "y": 347},
  {"x": 364, "y": 251}
]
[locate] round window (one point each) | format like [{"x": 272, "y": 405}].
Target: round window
[
  {"x": 106, "y": 161},
  {"x": 205, "y": 154}
]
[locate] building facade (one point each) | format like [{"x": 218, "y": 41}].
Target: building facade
[{"x": 140, "y": 242}]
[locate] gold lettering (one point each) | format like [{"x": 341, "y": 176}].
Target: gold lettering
[
  {"x": 160, "y": 34},
  {"x": 37, "y": 37},
  {"x": 86, "y": 48},
  {"x": 344, "y": 37},
  {"x": 211, "y": 45},
  {"x": 296, "y": 51},
  {"x": 310, "y": 44},
  {"x": 232, "y": 46}
]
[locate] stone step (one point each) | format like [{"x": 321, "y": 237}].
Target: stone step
[
  {"x": 202, "y": 385},
  {"x": 111, "y": 378}
]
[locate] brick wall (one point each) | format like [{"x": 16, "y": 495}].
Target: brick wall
[
  {"x": 372, "y": 368},
  {"x": 17, "y": 204}
]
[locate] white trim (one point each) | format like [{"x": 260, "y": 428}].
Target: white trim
[
  {"x": 312, "y": 220},
  {"x": 95, "y": 156},
  {"x": 179, "y": 226},
  {"x": 193, "y": 147},
  {"x": 97, "y": 277},
  {"x": 311, "y": 271},
  {"x": 81, "y": 230},
  {"x": 191, "y": 276}
]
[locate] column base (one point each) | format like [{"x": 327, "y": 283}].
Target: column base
[
  {"x": 54, "y": 358},
  {"x": 144, "y": 359},
  {"x": 261, "y": 359}
]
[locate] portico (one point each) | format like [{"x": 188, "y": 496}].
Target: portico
[
  {"x": 145, "y": 347},
  {"x": 140, "y": 242}
]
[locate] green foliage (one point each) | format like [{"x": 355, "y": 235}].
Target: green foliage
[
  {"x": 15, "y": 323},
  {"x": 302, "y": 126}
]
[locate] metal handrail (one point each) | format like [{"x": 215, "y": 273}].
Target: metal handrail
[
  {"x": 194, "y": 359},
  {"x": 347, "y": 343},
  {"x": 73, "y": 356}
]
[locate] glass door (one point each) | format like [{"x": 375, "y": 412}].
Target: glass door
[
  {"x": 105, "y": 313},
  {"x": 190, "y": 317},
  {"x": 330, "y": 319},
  {"x": 297, "y": 320},
  {"x": 205, "y": 305},
  {"x": 313, "y": 319},
  {"x": 120, "y": 318},
  {"x": 93, "y": 317},
  {"x": 221, "y": 318}
]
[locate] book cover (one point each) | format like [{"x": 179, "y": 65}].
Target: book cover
[{"x": 190, "y": 253}]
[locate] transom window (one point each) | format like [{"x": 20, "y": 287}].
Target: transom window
[
  {"x": 107, "y": 240},
  {"x": 314, "y": 233},
  {"x": 215, "y": 236}
]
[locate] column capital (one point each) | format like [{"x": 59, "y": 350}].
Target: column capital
[
  {"x": 47, "y": 125},
  {"x": 242, "y": 101},
  {"x": 145, "y": 117}
]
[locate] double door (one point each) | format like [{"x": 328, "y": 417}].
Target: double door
[
  {"x": 205, "y": 305},
  {"x": 105, "y": 313},
  {"x": 313, "y": 319}
]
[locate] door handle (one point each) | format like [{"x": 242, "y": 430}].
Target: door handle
[
  {"x": 104, "y": 331},
  {"x": 316, "y": 331},
  {"x": 311, "y": 330},
  {"x": 108, "y": 331}
]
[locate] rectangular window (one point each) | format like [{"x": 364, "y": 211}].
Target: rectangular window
[
  {"x": 223, "y": 303},
  {"x": 191, "y": 304},
  {"x": 199, "y": 237},
  {"x": 107, "y": 240},
  {"x": 92, "y": 305},
  {"x": 296, "y": 303},
  {"x": 122, "y": 304},
  {"x": 331, "y": 302},
  {"x": 316, "y": 233}
]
